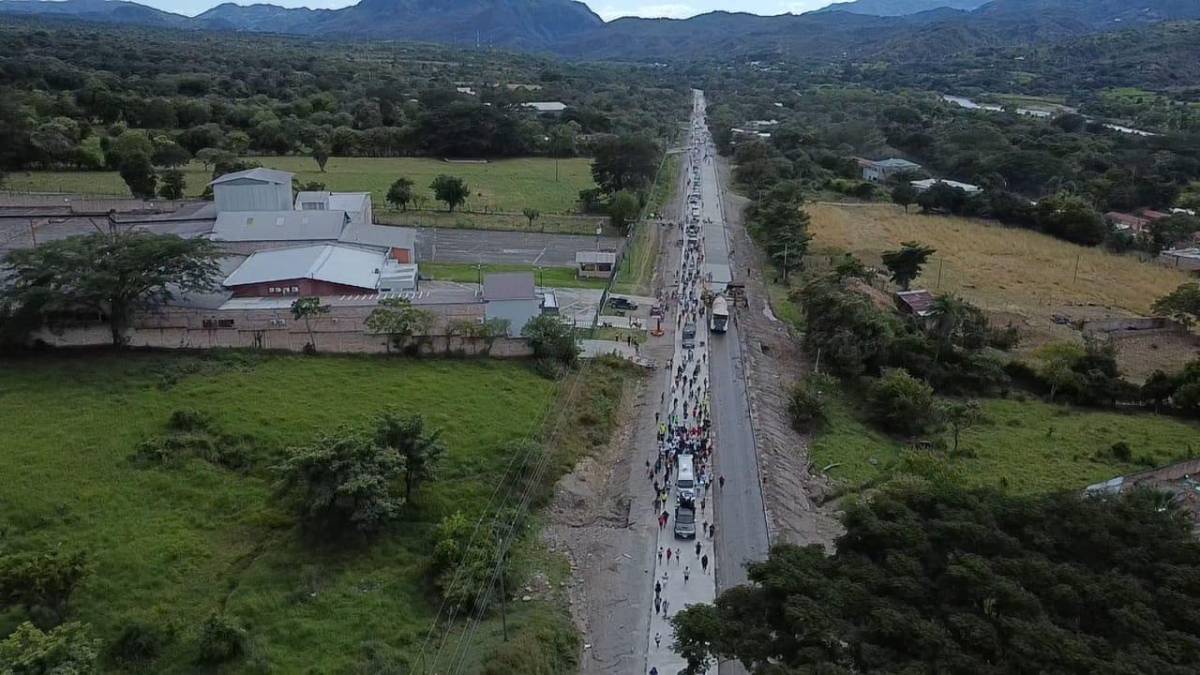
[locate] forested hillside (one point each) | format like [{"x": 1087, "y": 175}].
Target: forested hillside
[{"x": 68, "y": 91}]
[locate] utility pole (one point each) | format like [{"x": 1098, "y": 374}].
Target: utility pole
[
  {"x": 503, "y": 602},
  {"x": 785, "y": 262},
  {"x": 1076, "y": 277}
]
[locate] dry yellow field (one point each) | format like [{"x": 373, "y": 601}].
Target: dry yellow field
[
  {"x": 1001, "y": 269},
  {"x": 1016, "y": 275}
]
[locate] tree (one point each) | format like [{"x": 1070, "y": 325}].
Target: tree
[
  {"x": 399, "y": 320},
  {"x": 172, "y": 184},
  {"x": 623, "y": 210},
  {"x": 450, "y": 189},
  {"x": 905, "y": 264},
  {"x": 320, "y": 154},
  {"x": 532, "y": 215},
  {"x": 307, "y": 309},
  {"x": 1056, "y": 366},
  {"x": 624, "y": 163},
  {"x": 419, "y": 448},
  {"x": 552, "y": 339},
  {"x": 138, "y": 173},
  {"x": 68, "y": 649},
  {"x": 904, "y": 194},
  {"x": 343, "y": 482},
  {"x": 1181, "y": 304},
  {"x": 1167, "y": 232},
  {"x": 901, "y": 403},
  {"x": 41, "y": 583},
  {"x": 400, "y": 194},
  {"x": 1072, "y": 218},
  {"x": 960, "y": 415},
  {"x": 169, "y": 153},
  {"x": 932, "y": 577},
  {"x": 112, "y": 274}
]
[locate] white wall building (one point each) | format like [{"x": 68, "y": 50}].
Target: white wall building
[{"x": 357, "y": 205}]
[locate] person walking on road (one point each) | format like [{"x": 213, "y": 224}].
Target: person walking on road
[
  {"x": 657, "y": 588},
  {"x": 704, "y": 563},
  {"x": 668, "y": 556},
  {"x": 687, "y": 572},
  {"x": 666, "y": 607},
  {"x": 657, "y": 604},
  {"x": 660, "y": 550},
  {"x": 697, "y": 548},
  {"x": 721, "y": 480},
  {"x": 658, "y": 639}
]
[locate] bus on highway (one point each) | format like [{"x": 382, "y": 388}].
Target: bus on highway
[{"x": 718, "y": 316}]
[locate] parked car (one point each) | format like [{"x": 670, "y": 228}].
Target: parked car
[{"x": 622, "y": 304}]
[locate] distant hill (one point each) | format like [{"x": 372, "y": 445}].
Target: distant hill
[
  {"x": 879, "y": 29},
  {"x": 107, "y": 11},
  {"x": 899, "y": 7}
]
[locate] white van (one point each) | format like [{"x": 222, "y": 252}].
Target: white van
[{"x": 686, "y": 477}]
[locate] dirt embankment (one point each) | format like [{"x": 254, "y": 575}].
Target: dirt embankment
[{"x": 774, "y": 363}]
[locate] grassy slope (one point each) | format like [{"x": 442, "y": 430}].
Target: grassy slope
[
  {"x": 1029, "y": 445},
  {"x": 173, "y": 544},
  {"x": 506, "y": 185}
]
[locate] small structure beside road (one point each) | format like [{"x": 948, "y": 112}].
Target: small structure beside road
[
  {"x": 1181, "y": 258},
  {"x": 595, "y": 264},
  {"x": 918, "y": 303}
]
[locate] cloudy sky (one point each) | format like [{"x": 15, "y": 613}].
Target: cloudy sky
[{"x": 609, "y": 9}]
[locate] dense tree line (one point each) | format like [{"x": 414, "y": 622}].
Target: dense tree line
[
  {"x": 934, "y": 578},
  {"x": 69, "y": 92},
  {"x": 1055, "y": 175}
]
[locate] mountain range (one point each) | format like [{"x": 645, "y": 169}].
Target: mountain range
[{"x": 863, "y": 28}]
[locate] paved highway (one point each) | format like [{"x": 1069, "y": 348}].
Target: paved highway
[{"x": 741, "y": 516}]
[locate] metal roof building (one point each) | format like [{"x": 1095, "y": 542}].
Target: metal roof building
[
  {"x": 340, "y": 266},
  {"x": 253, "y": 190},
  {"x": 382, "y": 236},
  {"x": 279, "y": 225},
  {"x": 547, "y": 106}
]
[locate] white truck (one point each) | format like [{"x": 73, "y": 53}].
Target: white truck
[{"x": 718, "y": 315}]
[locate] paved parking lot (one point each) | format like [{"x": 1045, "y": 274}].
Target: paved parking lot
[{"x": 509, "y": 248}]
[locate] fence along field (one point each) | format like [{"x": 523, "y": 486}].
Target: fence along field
[
  {"x": 1012, "y": 273},
  {"x": 506, "y": 186}
]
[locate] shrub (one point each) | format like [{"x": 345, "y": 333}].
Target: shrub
[
  {"x": 807, "y": 404},
  {"x": 220, "y": 641},
  {"x": 1121, "y": 451},
  {"x": 902, "y": 404},
  {"x": 137, "y": 642},
  {"x": 189, "y": 420}
]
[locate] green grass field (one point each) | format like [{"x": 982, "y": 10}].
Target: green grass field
[
  {"x": 1026, "y": 446},
  {"x": 509, "y": 185},
  {"x": 550, "y": 277},
  {"x": 172, "y": 544}
]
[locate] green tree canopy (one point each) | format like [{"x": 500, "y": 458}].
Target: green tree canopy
[
  {"x": 68, "y": 649},
  {"x": 935, "y": 578},
  {"x": 623, "y": 210},
  {"x": 624, "y": 163},
  {"x": 905, "y": 263},
  {"x": 420, "y": 448},
  {"x": 400, "y": 194},
  {"x": 450, "y": 189},
  {"x": 1181, "y": 304},
  {"x": 113, "y": 274},
  {"x": 343, "y": 482}
]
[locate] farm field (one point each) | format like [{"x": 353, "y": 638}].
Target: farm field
[
  {"x": 171, "y": 544},
  {"x": 1016, "y": 275},
  {"x": 1024, "y": 446},
  {"x": 509, "y": 185}
]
